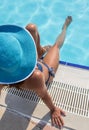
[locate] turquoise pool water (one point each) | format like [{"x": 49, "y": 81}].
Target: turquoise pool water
[{"x": 49, "y": 16}]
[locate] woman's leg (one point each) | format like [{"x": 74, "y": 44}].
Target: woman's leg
[
  {"x": 52, "y": 57},
  {"x": 34, "y": 32}
]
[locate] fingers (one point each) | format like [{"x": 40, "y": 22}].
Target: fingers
[
  {"x": 57, "y": 117},
  {"x": 62, "y": 122},
  {"x": 58, "y": 121}
]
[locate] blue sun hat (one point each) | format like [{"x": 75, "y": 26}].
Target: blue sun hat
[{"x": 18, "y": 55}]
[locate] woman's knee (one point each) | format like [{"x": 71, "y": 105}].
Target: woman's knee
[{"x": 31, "y": 27}]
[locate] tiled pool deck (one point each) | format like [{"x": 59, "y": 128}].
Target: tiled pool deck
[{"x": 10, "y": 119}]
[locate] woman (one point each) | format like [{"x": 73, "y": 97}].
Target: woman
[{"x": 43, "y": 70}]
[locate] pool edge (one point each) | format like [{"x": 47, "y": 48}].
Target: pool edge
[{"x": 74, "y": 65}]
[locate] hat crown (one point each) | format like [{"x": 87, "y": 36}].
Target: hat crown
[
  {"x": 18, "y": 56},
  {"x": 10, "y": 52}
]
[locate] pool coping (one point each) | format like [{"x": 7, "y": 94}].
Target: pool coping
[{"x": 74, "y": 65}]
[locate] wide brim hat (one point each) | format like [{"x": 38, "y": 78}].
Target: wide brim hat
[{"x": 18, "y": 55}]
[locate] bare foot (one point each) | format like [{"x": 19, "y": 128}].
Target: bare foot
[{"x": 67, "y": 22}]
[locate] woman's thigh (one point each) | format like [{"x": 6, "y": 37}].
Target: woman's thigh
[{"x": 52, "y": 57}]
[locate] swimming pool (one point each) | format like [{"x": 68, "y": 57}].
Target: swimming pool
[{"x": 49, "y": 16}]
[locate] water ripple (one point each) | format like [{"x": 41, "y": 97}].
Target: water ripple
[{"x": 49, "y": 15}]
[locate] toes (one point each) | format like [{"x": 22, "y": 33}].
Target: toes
[{"x": 70, "y": 17}]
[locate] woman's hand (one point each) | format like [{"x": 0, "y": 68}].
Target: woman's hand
[{"x": 56, "y": 117}]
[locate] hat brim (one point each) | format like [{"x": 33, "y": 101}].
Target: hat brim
[{"x": 29, "y": 61}]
